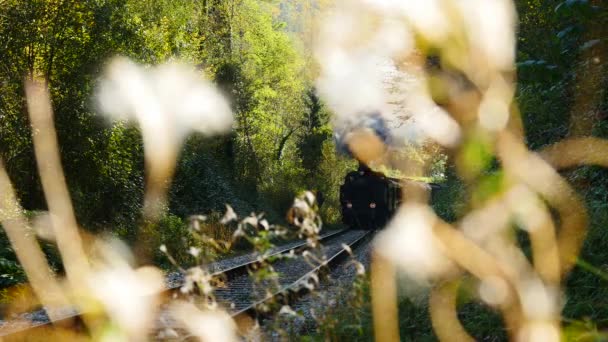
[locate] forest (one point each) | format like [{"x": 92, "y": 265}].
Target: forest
[
  {"x": 288, "y": 99},
  {"x": 281, "y": 144}
]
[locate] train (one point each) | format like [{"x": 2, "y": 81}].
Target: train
[{"x": 369, "y": 199}]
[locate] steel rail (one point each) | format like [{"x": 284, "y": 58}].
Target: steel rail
[
  {"x": 237, "y": 270},
  {"x": 75, "y": 321},
  {"x": 291, "y": 292}
]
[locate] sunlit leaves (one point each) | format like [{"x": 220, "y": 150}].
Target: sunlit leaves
[{"x": 475, "y": 157}]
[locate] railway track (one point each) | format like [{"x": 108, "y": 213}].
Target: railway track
[
  {"x": 297, "y": 276},
  {"x": 238, "y": 295}
]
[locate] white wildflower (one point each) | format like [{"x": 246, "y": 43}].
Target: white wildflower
[
  {"x": 310, "y": 198},
  {"x": 302, "y": 205},
  {"x": 251, "y": 220},
  {"x": 366, "y": 45},
  {"x": 347, "y": 249},
  {"x": 314, "y": 277},
  {"x": 167, "y": 102},
  {"x": 208, "y": 325},
  {"x": 539, "y": 331},
  {"x": 287, "y": 310},
  {"x": 43, "y": 226},
  {"x": 125, "y": 291},
  {"x": 539, "y": 301},
  {"x": 167, "y": 334},
  {"x": 311, "y": 242},
  {"x": 409, "y": 242},
  {"x": 195, "y": 221},
  {"x": 279, "y": 231},
  {"x": 307, "y": 285},
  {"x": 238, "y": 232},
  {"x": 264, "y": 224},
  {"x": 187, "y": 287},
  {"x": 194, "y": 251},
  {"x": 163, "y": 248},
  {"x": 360, "y": 268},
  {"x": 493, "y": 290},
  {"x": 195, "y": 225},
  {"x": 229, "y": 216},
  {"x": 199, "y": 277},
  {"x": 211, "y": 305},
  {"x": 167, "y": 97},
  {"x": 308, "y": 227}
]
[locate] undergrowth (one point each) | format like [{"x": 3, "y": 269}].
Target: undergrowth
[{"x": 585, "y": 310}]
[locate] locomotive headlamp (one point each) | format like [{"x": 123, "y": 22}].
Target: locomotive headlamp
[
  {"x": 372, "y": 205},
  {"x": 349, "y": 205}
]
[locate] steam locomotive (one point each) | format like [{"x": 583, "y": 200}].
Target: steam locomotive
[{"x": 369, "y": 199}]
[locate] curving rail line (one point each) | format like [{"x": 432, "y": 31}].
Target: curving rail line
[
  {"x": 296, "y": 275},
  {"x": 237, "y": 295}
]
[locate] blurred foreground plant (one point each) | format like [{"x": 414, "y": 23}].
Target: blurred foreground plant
[
  {"x": 201, "y": 280},
  {"x": 459, "y": 59},
  {"x": 118, "y": 300}
]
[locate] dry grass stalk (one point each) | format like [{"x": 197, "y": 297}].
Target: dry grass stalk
[
  {"x": 26, "y": 247},
  {"x": 53, "y": 182}
]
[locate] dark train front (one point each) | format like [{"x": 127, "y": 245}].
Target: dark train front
[{"x": 368, "y": 199}]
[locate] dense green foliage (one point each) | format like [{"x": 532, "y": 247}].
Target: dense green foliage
[
  {"x": 562, "y": 81},
  {"x": 280, "y": 144},
  {"x": 561, "y": 92},
  {"x": 562, "y": 77}
]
